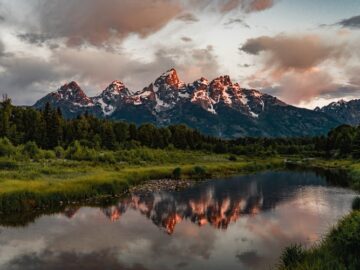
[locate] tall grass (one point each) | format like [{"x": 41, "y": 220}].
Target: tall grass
[
  {"x": 339, "y": 250},
  {"x": 27, "y": 185}
]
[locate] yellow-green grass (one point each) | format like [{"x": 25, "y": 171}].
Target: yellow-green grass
[
  {"x": 31, "y": 185},
  {"x": 339, "y": 250}
]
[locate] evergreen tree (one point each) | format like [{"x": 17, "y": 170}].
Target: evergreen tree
[{"x": 5, "y": 115}]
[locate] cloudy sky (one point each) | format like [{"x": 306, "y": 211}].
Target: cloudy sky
[{"x": 305, "y": 52}]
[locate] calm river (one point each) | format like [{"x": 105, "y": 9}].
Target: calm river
[{"x": 239, "y": 223}]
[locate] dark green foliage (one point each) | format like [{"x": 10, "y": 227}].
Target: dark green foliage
[
  {"x": 199, "y": 172},
  {"x": 339, "y": 250},
  {"x": 356, "y": 203},
  {"x": 49, "y": 130},
  {"x": 344, "y": 240},
  {"x": 8, "y": 165},
  {"x": 6, "y": 148},
  {"x": 292, "y": 256},
  {"x": 232, "y": 158},
  {"x": 176, "y": 174},
  {"x": 31, "y": 150}
]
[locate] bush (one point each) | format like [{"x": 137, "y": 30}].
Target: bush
[
  {"x": 199, "y": 172},
  {"x": 232, "y": 158},
  {"x": 344, "y": 240},
  {"x": 48, "y": 154},
  {"x": 356, "y": 203},
  {"x": 8, "y": 165},
  {"x": 6, "y": 148},
  {"x": 31, "y": 150},
  {"x": 77, "y": 152},
  {"x": 107, "y": 157},
  {"x": 292, "y": 256},
  {"x": 176, "y": 174},
  {"x": 59, "y": 152}
]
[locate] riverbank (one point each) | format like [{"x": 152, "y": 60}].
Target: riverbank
[
  {"x": 340, "y": 248},
  {"x": 48, "y": 184}
]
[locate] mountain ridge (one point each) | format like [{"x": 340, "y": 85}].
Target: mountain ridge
[
  {"x": 218, "y": 107},
  {"x": 347, "y": 112}
]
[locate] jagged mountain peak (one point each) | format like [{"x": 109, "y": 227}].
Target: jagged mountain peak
[
  {"x": 72, "y": 92},
  {"x": 221, "y": 81},
  {"x": 116, "y": 88},
  {"x": 201, "y": 83},
  {"x": 74, "y": 86},
  {"x": 169, "y": 78},
  {"x": 347, "y": 112},
  {"x": 218, "y": 107}
]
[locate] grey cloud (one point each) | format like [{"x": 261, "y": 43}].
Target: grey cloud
[
  {"x": 186, "y": 39},
  {"x": 188, "y": 17},
  {"x": 251, "y": 259},
  {"x": 34, "y": 38},
  {"x": 293, "y": 52},
  {"x": 353, "y": 22},
  {"x": 97, "y": 22},
  {"x": 2, "y": 49},
  {"x": 70, "y": 261},
  {"x": 26, "y": 79},
  {"x": 236, "y": 21}
]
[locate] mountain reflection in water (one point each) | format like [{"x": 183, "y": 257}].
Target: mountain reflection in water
[{"x": 238, "y": 223}]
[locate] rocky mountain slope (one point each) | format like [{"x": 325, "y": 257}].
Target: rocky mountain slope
[
  {"x": 347, "y": 112},
  {"x": 218, "y": 107}
]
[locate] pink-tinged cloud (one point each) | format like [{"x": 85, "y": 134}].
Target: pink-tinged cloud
[
  {"x": 294, "y": 65},
  {"x": 285, "y": 53},
  {"x": 303, "y": 87},
  {"x": 247, "y": 5},
  {"x": 96, "y": 22}
]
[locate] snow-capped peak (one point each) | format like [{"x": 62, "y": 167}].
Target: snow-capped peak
[
  {"x": 118, "y": 84},
  {"x": 338, "y": 103},
  {"x": 72, "y": 92},
  {"x": 116, "y": 88},
  {"x": 72, "y": 87},
  {"x": 169, "y": 78}
]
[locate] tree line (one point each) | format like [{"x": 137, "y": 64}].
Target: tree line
[{"x": 48, "y": 129}]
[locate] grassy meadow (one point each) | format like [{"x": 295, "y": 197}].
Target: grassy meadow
[{"x": 28, "y": 184}]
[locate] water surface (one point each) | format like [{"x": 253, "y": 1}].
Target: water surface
[{"x": 238, "y": 223}]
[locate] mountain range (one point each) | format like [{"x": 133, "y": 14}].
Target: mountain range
[{"x": 218, "y": 107}]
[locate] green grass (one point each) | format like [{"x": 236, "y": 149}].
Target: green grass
[
  {"x": 29, "y": 185},
  {"x": 340, "y": 249}
]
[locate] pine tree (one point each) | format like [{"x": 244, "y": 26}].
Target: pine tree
[{"x": 5, "y": 115}]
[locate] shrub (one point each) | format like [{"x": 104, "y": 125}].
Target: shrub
[
  {"x": 48, "y": 154},
  {"x": 344, "y": 240},
  {"x": 199, "y": 172},
  {"x": 31, "y": 150},
  {"x": 59, "y": 152},
  {"x": 292, "y": 256},
  {"x": 76, "y": 152},
  {"x": 8, "y": 165},
  {"x": 356, "y": 203},
  {"x": 6, "y": 148},
  {"x": 232, "y": 158},
  {"x": 107, "y": 157},
  {"x": 176, "y": 174}
]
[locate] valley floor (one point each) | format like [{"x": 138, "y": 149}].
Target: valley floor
[
  {"x": 29, "y": 186},
  {"x": 34, "y": 185}
]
